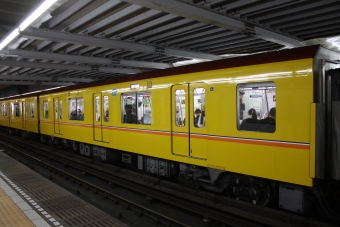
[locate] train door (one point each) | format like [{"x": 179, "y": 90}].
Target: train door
[
  {"x": 24, "y": 114},
  {"x": 56, "y": 116},
  {"x": 332, "y": 132},
  {"x": 100, "y": 102},
  {"x": 198, "y": 128},
  {"x": 188, "y": 129},
  {"x": 10, "y": 113},
  {"x": 5, "y": 113},
  {"x": 180, "y": 120}
]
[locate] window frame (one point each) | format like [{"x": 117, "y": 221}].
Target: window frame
[
  {"x": 180, "y": 117},
  {"x": 4, "y": 109},
  {"x": 139, "y": 104},
  {"x": 268, "y": 87},
  {"x": 45, "y": 110},
  {"x": 106, "y": 107},
  {"x": 201, "y": 123},
  {"x": 14, "y": 110},
  {"x": 77, "y": 108},
  {"x": 31, "y": 110}
]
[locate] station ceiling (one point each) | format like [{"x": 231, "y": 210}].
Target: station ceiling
[{"x": 79, "y": 41}]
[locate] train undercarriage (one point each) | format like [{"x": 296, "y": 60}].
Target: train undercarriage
[{"x": 325, "y": 198}]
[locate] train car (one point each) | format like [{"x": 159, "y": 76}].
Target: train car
[
  {"x": 20, "y": 116},
  {"x": 192, "y": 123},
  {"x": 4, "y": 115}
]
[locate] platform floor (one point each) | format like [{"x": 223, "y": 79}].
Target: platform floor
[{"x": 28, "y": 199}]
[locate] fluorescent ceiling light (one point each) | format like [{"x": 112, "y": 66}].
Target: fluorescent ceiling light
[{"x": 41, "y": 8}]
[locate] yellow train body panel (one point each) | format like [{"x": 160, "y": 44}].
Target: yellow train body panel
[
  {"x": 4, "y": 116},
  {"x": 21, "y": 114},
  {"x": 284, "y": 155}
]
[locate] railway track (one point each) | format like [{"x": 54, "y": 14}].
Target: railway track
[{"x": 218, "y": 210}]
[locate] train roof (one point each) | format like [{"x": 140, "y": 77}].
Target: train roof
[{"x": 256, "y": 59}]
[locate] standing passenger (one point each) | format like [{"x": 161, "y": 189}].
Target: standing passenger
[
  {"x": 129, "y": 116},
  {"x": 106, "y": 116},
  {"x": 81, "y": 115},
  {"x": 199, "y": 120},
  {"x": 242, "y": 105},
  {"x": 146, "y": 119}
]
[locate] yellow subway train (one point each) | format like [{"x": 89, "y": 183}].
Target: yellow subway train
[{"x": 257, "y": 128}]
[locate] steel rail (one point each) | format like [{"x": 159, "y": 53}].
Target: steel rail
[
  {"x": 157, "y": 217},
  {"x": 234, "y": 212}
]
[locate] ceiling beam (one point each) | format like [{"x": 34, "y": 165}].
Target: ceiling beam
[
  {"x": 40, "y": 78},
  {"x": 26, "y": 64},
  {"x": 198, "y": 13},
  {"x": 67, "y": 13},
  {"x": 82, "y": 59},
  {"x": 112, "y": 44},
  {"x": 98, "y": 26},
  {"x": 36, "y": 83}
]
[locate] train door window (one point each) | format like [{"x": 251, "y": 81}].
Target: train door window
[
  {"x": 61, "y": 109},
  {"x": 106, "y": 108},
  {"x": 4, "y": 109},
  {"x": 199, "y": 107},
  {"x": 256, "y": 107},
  {"x": 144, "y": 108},
  {"x": 129, "y": 108},
  {"x": 56, "y": 109},
  {"x": 76, "y": 109},
  {"x": 45, "y": 103},
  {"x": 24, "y": 111},
  {"x": 97, "y": 108},
  {"x": 180, "y": 107},
  {"x": 32, "y": 110},
  {"x": 11, "y": 109},
  {"x": 137, "y": 108},
  {"x": 16, "y": 110},
  {"x": 80, "y": 107}
]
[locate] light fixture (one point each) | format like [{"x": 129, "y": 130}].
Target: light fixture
[{"x": 34, "y": 15}]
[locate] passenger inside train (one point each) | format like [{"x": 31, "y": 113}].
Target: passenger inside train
[
  {"x": 199, "y": 120},
  {"x": 269, "y": 123},
  {"x": 251, "y": 123},
  {"x": 80, "y": 115},
  {"x": 106, "y": 116},
  {"x": 146, "y": 119},
  {"x": 260, "y": 101},
  {"x": 129, "y": 116}
]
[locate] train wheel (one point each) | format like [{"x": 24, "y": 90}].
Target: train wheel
[
  {"x": 51, "y": 141},
  {"x": 74, "y": 146}
]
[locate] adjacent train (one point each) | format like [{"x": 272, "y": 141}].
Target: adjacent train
[{"x": 185, "y": 123}]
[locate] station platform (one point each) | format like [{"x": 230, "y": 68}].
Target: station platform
[{"x": 29, "y": 199}]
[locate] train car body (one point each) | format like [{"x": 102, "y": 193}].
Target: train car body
[
  {"x": 188, "y": 122},
  {"x": 21, "y": 115},
  {"x": 4, "y": 115}
]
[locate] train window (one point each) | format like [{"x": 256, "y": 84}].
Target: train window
[
  {"x": 76, "y": 109},
  {"x": 199, "y": 107},
  {"x": 32, "y": 110},
  {"x": 144, "y": 112},
  {"x": 61, "y": 109},
  {"x": 137, "y": 108},
  {"x": 16, "y": 110},
  {"x": 106, "y": 108},
  {"x": 256, "y": 107},
  {"x": 24, "y": 109},
  {"x": 4, "y": 109},
  {"x": 97, "y": 108},
  {"x": 45, "y": 103},
  {"x": 56, "y": 109},
  {"x": 180, "y": 107}
]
